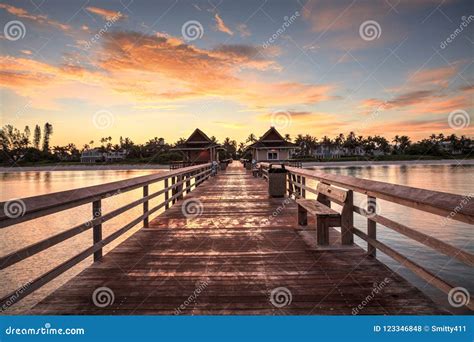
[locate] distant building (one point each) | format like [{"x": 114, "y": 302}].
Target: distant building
[
  {"x": 448, "y": 147},
  {"x": 92, "y": 156},
  {"x": 272, "y": 147},
  {"x": 328, "y": 151},
  {"x": 96, "y": 156},
  {"x": 198, "y": 148}
]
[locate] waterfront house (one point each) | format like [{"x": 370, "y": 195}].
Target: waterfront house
[
  {"x": 198, "y": 148},
  {"x": 96, "y": 156},
  {"x": 272, "y": 147}
]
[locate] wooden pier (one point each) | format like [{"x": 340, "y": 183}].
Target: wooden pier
[{"x": 228, "y": 248}]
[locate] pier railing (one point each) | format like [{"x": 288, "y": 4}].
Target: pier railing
[
  {"x": 175, "y": 184},
  {"x": 450, "y": 206}
]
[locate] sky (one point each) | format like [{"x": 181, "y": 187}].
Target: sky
[{"x": 144, "y": 69}]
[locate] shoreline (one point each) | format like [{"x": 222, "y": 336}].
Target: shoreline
[
  {"x": 319, "y": 165},
  {"x": 85, "y": 167},
  {"x": 316, "y": 165}
]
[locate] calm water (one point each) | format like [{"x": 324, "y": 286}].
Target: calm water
[
  {"x": 453, "y": 179},
  {"x": 456, "y": 179}
]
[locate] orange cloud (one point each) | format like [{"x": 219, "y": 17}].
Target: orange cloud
[
  {"x": 106, "y": 14},
  {"x": 154, "y": 69},
  {"x": 221, "y": 26},
  {"x": 40, "y": 19}
]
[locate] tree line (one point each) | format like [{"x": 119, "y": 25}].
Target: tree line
[{"x": 21, "y": 146}]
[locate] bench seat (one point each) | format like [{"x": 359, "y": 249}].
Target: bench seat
[{"x": 325, "y": 218}]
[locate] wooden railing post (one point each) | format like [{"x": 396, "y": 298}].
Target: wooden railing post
[
  {"x": 97, "y": 230},
  {"x": 173, "y": 189},
  {"x": 145, "y": 206},
  {"x": 303, "y": 190},
  {"x": 179, "y": 188},
  {"x": 371, "y": 225},
  {"x": 347, "y": 220},
  {"x": 188, "y": 182},
  {"x": 167, "y": 194}
]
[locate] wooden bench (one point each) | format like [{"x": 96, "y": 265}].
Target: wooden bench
[{"x": 320, "y": 208}]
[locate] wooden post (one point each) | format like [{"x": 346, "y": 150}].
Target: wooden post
[
  {"x": 188, "y": 183},
  {"x": 179, "y": 189},
  {"x": 97, "y": 230},
  {"x": 167, "y": 195},
  {"x": 290, "y": 184},
  {"x": 173, "y": 189},
  {"x": 298, "y": 180},
  {"x": 302, "y": 216},
  {"x": 322, "y": 232},
  {"x": 303, "y": 190},
  {"x": 371, "y": 227},
  {"x": 347, "y": 219},
  {"x": 145, "y": 206}
]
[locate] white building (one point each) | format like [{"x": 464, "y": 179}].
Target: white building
[{"x": 95, "y": 156}]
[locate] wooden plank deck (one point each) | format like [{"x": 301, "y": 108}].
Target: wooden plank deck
[{"x": 236, "y": 252}]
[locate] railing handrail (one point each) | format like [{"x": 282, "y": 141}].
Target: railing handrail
[
  {"x": 435, "y": 202},
  {"x": 454, "y": 206},
  {"x": 42, "y": 205},
  {"x": 181, "y": 183}
]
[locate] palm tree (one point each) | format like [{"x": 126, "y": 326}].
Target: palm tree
[
  {"x": 287, "y": 137},
  {"x": 251, "y": 138}
]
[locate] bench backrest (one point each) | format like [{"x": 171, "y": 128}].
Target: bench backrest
[{"x": 336, "y": 195}]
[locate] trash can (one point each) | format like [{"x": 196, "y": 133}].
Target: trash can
[{"x": 277, "y": 181}]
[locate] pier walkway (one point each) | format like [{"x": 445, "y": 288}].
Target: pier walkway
[{"x": 227, "y": 248}]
